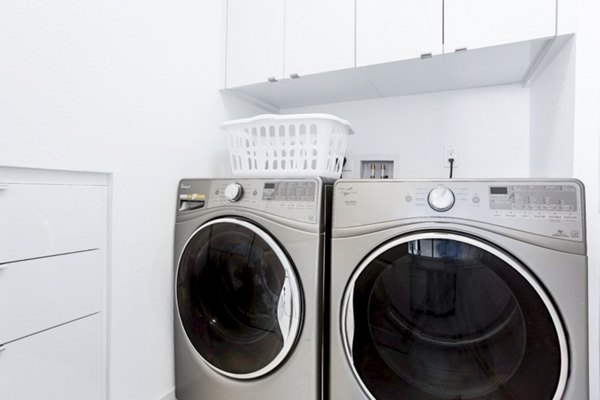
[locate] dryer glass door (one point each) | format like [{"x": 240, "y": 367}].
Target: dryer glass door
[
  {"x": 238, "y": 298},
  {"x": 441, "y": 315}
]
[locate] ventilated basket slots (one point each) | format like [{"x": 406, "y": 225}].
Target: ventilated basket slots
[{"x": 288, "y": 147}]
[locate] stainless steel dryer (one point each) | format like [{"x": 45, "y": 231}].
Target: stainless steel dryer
[
  {"x": 459, "y": 289},
  {"x": 249, "y": 257}
]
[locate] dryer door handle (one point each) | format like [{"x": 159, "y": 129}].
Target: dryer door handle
[{"x": 348, "y": 320}]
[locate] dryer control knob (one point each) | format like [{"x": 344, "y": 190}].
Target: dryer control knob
[
  {"x": 441, "y": 198},
  {"x": 234, "y": 192}
]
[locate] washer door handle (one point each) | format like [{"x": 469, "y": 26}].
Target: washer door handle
[{"x": 285, "y": 309}]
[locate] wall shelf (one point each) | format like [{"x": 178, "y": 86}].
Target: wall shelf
[{"x": 498, "y": 65}]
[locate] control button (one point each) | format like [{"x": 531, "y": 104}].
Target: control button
[
  {"x": 234, "y": 192},
  {"x": 441, "y": 198},
  {"x": 476, "y": 200},
  {"x": 408, "y": 198},
  {"x": 254, "y": 192}
]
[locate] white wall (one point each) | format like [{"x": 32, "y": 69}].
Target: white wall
[
  {"x": 127, "y": 87},
  {"x": 489, "y": 126},
  {"x": 586, "y": 164},
  {"x": 552, "y": 106},
  {"x": 565, "y": 141}
]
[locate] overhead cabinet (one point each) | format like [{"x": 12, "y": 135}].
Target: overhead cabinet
[
  {"x": 269, "y": 40},
  {"x": 254, "y": 41},
  {"x": 319, "y": 36},
  {"x": 471, "y": 24},
  {"x": 392, "y": 30},
  {"x": 343, "y": 50}
]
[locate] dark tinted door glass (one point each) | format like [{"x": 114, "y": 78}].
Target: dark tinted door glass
[
  {"x": 229, "y": 285},
  {"x": 443, "y": 319}
]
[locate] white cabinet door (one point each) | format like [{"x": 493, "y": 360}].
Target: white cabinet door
[
  {"x": 39, "y": 220},
  {"x": 481, "y": 23},
  {"x": 254, "y": 41},
  {"x": 319, "y": 36},
  {"x": 45, "y": 292},
  {"x": 64, "y": 363},
  {"x": 391, "y": 30}
]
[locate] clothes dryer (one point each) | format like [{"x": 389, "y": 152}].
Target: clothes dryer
[
  {"x": 249, "y": 265},
  {"x": 459, "y": 289}
]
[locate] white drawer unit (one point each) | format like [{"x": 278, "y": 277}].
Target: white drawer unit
[
  {"x": 53, "y": 268},
  {"x": 38, "y": 220},
  {"x": 41, "y": 293},
  {"x": 64, "y": 363}
]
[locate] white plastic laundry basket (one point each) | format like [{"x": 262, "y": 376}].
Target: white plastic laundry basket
[{"x": 288, "y": 145}]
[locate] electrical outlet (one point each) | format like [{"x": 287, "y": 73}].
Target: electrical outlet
[{"x": 450, "y": 152}]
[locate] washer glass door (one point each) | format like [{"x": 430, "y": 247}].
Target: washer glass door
[
  {"x": 439, "y": 315},
  {"x": 238, "y": 298}
]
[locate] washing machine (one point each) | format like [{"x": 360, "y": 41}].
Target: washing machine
[
  {"x": 249, "y": 292},
  {"x": 459, "y": 289}
]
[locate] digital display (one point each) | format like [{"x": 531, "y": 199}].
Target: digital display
[
  {"x": 269, "y": 185},
  {"x": 499, "y": 190}
]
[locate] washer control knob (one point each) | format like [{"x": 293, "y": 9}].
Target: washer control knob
[
  {"x": 441, "y": 198},
  {"x": 234, "y": 192}
]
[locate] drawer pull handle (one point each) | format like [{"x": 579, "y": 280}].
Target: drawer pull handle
[
  {"x": 2, "y": 348},
  {"x": 3, "y": 187},
  {"x": 3, "y": 267}
]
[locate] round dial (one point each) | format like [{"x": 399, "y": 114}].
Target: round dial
[
  {"x": 441, "y": 198},
  {"x": 234, "y": 192}
]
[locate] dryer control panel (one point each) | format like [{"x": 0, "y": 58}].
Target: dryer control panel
[
  {"x": 531, "y": 199},
  {"x": 549, "y": 208}
]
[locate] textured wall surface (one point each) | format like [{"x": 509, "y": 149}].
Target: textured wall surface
[{"x": 131, "y": 88}]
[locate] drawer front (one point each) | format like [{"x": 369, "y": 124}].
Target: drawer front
[
  {"x": 40, "y": 220},
  {"x": 64, "y": 363},
  {"x": 45, "y": 292}
]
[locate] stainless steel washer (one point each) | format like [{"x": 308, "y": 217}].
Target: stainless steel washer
[
  {"x": 249, "y": 257},
  {"x": 459, "y": 289}
]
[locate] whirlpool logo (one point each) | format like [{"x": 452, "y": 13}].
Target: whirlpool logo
[{"x": 346, "y": 191}]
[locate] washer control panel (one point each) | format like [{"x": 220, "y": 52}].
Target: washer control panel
[
  {"x": 286, "y": 191},
  {"x": 233, "y": 192},
  {"x": 295, "y": 199}
]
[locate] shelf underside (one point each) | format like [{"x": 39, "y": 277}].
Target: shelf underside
[{"x": 498, "y": 65}]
